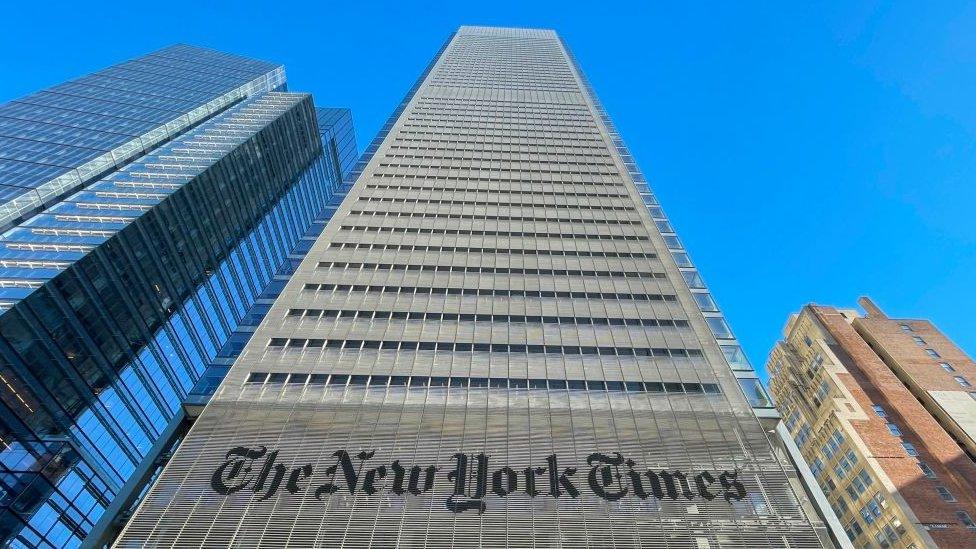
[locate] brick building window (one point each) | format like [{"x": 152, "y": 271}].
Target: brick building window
[
  {"x": 947, "y": 367},
  {"x": 966, "y": 520},
  {"x": 963, "y": 382},
  {"x": 932, "y": 353},
  {"x": 910, "y": 448},
  {"x": 945, "y": 494},
  {"x": 926, "y": 470}
]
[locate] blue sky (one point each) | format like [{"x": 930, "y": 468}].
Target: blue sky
[{"x": 804, "y": 153}]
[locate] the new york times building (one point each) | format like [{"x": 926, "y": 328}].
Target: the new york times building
[{"x": 497, "y": 341}]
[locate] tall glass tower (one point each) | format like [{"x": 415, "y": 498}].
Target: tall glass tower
[
  {"x": 496, "y": 341},
  {"x": 150, "y": 212}
]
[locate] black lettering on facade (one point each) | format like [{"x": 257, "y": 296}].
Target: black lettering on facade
[
  {"x": 504, "y": 481},
  {"x": 560, "y": 481},
  {"x": 604, "y": 472},
  {"x": 461, "y": 500},
  {"x": 733, "y": 488},
  {"x": 611, "y": 477},
  {"x": 232, "y": 475}
]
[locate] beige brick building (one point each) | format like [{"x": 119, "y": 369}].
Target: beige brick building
[{"x": 883, "y": 410}]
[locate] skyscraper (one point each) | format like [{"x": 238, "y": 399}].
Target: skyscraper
[
  {"x": 152, "y": 210},
  {"x": 883, "y": 411},
  {"x": 497, "y": 341}
]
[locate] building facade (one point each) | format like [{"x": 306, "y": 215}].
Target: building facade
[
  {"x": 153, "y": 210},
  {"x": 497, "y": 341},
  {"x": 882, "y": 410}
]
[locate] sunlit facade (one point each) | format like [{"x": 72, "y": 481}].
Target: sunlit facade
[
  {"x": 879, "y": 408},
  {"x": 498, "y": 340}
]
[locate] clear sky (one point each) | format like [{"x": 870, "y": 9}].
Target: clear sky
[{"x": 804, "y": 153}]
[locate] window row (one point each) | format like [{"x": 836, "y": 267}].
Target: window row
[
  {"x": 530, "y": 192},
  {"x": 494, "y": 292},
  {"x": 514, "y": 157},
  {"x": 470, "y": 104},
  {"x": 537, "y": 137},
  {"x": 505, "y": 129},
  {"x": 473, "y": 143},
  {"x": 485, "y": 270},
  {"x": 461, "y": 317},
  {"x": 492, "y": 176},
  {"x": 494, "y": 203},
  {"x": 496, "y": 145},
  {"x": 468, "y": 249},
  {"x": 483, "y": 217},
  {"x": 495, "y": 116},
  {"x": 468, "y": 232},
  {"x": 449, "y": 346},
  {"x": 523, "y": 168},
  {"x": 475, "y": 106},
  {"x": 479, "y": 118},
  {"x": 343, "y": 380}
]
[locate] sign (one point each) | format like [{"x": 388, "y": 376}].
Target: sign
[{"x": 471, "y": 476}]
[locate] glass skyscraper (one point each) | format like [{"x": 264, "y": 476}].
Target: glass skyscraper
[
  {"x": 151, "y": 212},
  {"x": 498, "y": 340}
]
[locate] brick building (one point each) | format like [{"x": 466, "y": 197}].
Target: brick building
[{"x": 883, "y": 411}]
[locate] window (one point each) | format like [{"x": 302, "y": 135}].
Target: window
[
  {"x": 932, "y": 353},
  {"x": 926, "y": 470},
  {"x": 878, "y": 409},
  {"x": 840, "y": 508},
  {"x": 803, "y": 435},
  {"x": 755, "y": 393},
  {"x": 945, "y": 494},
  {"x": 735, "y": 357},
  {"x": 817, "y": 467},
  {"x": 860, "y": 483},
  {"x": 906, "y": 328},
  {"x": 918, "y": 340},
  {"x": 966, "y": 520},
  {"x": 682, "y": 259},
  {"x": 893, "y": 429},
  {"x": 910, "y": 448},
  {"x": 853, "y": 529},
  {"x": 705, "y": 301},
  {"x": 837, "y": 437},
  {"x": 963, "y": 382},
  {"x": 719, "y": 328},
  {"x": 792, "y": 421},
  {"x": 840, "y": 473},
  {"x": 821, "y": 393},
  {"x": 947, "y": 367},
  {"x": 828, "y": 452},
  {"x": 879, "y": 498},
  {"x": 807, "y": 340},
  {"x": 846, "y": 464},
  {"x": 867, "y": 515}
]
